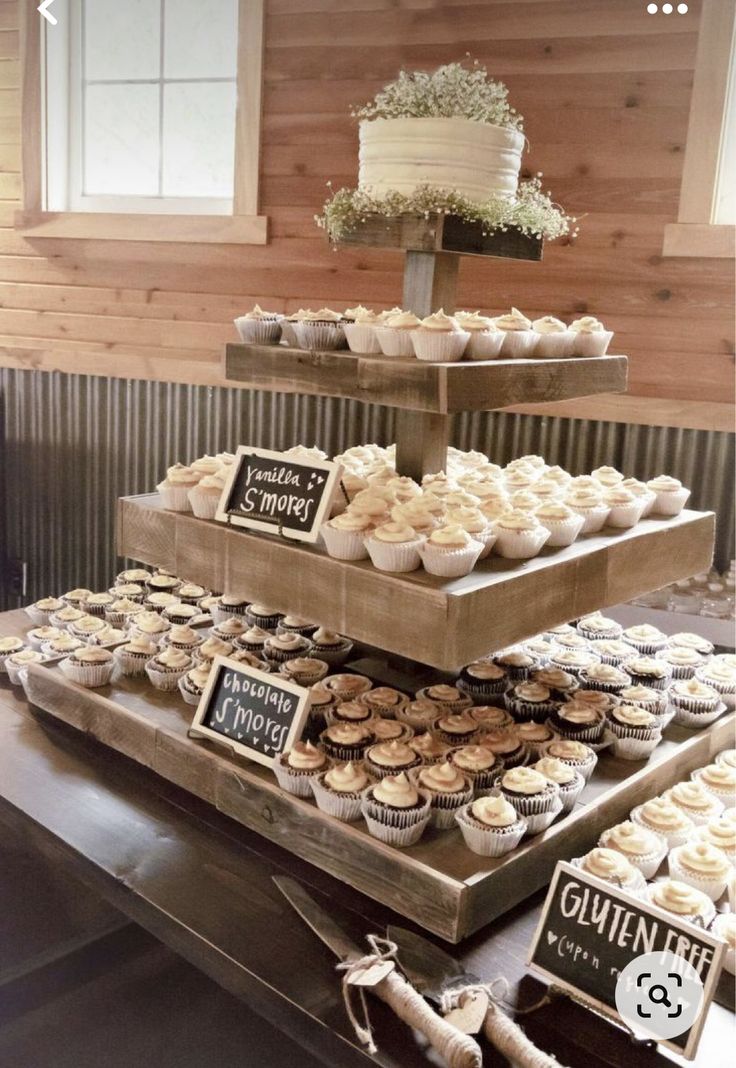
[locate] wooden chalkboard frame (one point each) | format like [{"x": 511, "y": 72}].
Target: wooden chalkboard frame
[
  {"x": 709, "y": 986},
  {"x": 332, "y": 471},
  {"x": 199, "y": 729}
]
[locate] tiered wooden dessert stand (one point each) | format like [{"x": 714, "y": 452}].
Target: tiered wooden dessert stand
[{"x": 444, "y": 624}]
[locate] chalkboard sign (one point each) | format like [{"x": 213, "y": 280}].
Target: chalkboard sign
[
  {"x": 256, "y": 714},
  {"x": 277, "y": 493},
  {"x": 590, "y": 930}
]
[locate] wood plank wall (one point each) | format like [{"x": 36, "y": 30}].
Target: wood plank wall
[{"x": 605, "y": 90}]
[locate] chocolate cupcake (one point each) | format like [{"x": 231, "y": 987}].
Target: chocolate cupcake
[
  {"x": 134, "y": 574},
  {"x": 449, "y": 789},
  {"x": 645, "y": 638},
  {"x": 89, "y": 666},
  {"x": 133, "y": 591},
  {"x": 695, "y": 703},
  {"x": 183, "y": 637},
  {"x": 232, "y": 604},
  {"x": 688, "y": 640},
  {"x": 573, "y": 661},
  {"x": 181, "y": 614},
  {"x": 491, "y": 717},
  {"x": 76, "y": 598},
  {"x": 612, "y": 651},
  {"x": 449, "y": 698},
  {"x": 505, "y": 745},
  {"x": 86, "y": 627},
  {"x": 476, "y": 762},
  {"x": 135, "y": 654},
  {"x": 296, "y": 625},
  {"x": 281, "y": 647},
  {"x": 253, "y": 640},
  {"x": 347, "y": 687},
  {"x": 36, "y": 637},
  {"x": 535, "y": 798},
  {"x": 517, "y": 663},
  {"x": 683, "y": 661},
  {"x": 390, "y": 758},
  {"x": 350, "y": 712},
  {"x": 395, "y": 811},
  {"x": 230, "y": 628},
  {"x": 191, "y": 685},
  {"x": 295, "y": 769},
  {"x": 346, "y": 741},
  {"x": 339, "y": 790},
  {"x": 430, "y": 749},
  {"x": 96, "y": 604},
  {"x": 530, "y": 701},
  {"x": 166, "y": 668},
  {"x": 192, "y": 593},
  {"x": 211, "y": 647},
  {"x": 533, "y": 736},
  {"x": 604, "y": 677},
  {"x": 579, "y": 722},
  {"x": 577, "y": 754},
  {"x": 483, "y": 681},
  {"x": 597, "y": 625},
  {"x": 721, "y": 675},
  {"x": 636, "y": 732},
  {"x": 162, "y": 582},
  {"x": 456, "y": 728},
  {"x": 68, "y": 615},
  {"x": 421, "y": 714},
  {"x": 391, "y": 730},
  {"x": 260, "y": 615},
  {"x": 384, "y": 701},
  {"x": 490, "y": 826},
  {"x": 562, "y": 684},
  {"x": 569, "y": 781},
  {"x": 160, "y": 599},
  {"x": 303, "y": 670},
  {"x": 333, "y": 648},
  {"x": 540, "y": 648}
]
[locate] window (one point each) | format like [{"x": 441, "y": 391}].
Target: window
[
  {"x": 143, "y": 108},
  {"x": 706, "y": 218}
]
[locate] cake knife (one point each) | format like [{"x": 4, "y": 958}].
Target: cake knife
[{"x": 457, "y": 1049}]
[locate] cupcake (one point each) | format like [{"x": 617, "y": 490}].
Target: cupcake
[
  {"x": 695, "y": 801},
  {"x": 683, "y": 661},
  {"x": 533, "y": 736},
  {"x": 9, "y": 646},
  {"x": 192, "y": 685},
  {"x": 563, "y": 524},
  {"x": 253, "y": 640},
  {"x": 68, "y": 615},
  {"x": 212, "y": 647},
  {"x": 477, "y": 763},
  {"x": 346, "y": 741},
  {"x": 394, "y": 333},
  {"x": 419, "y": 714},
  {"x": 133, "y": 591},
  {"x": 554, "y": 339},
  {"x": 519, "y": 535},
  {"x": 338, "y": 791},
  {"x": 539, "y": 648},
  {"x": 347, "y": 687},
  {"x": 695, "y": 703},
  {"x": 625, "y": 508},
  {"x": 257, "y": 327},
  {"x": 448, "y": 698},
  {"x": 76, "y": 598},
  {"x": 720, "y": 780},
  {"x": 89, "y": 666},
  {"x": 535, "y": 798},
  {"x": 395, "y": 811},
  {"x": 360, "y": 334},
  {"x": 430, "y": 748},
  {"x": 506, "y": 746},
  {"x": 231, "y": 604},
  {"x": 449, "y": 789},
  {"x": 259, "y": 615},
  {"x": 597, "y": 699},
  {"x": 648, "y": 671},
  {"x": 240, "y": 656},
  {"x": 687, "y": 640},
  {"x": 683, "y": 901},
  {"x": 636, "y": 732},
  {"x": 62, "y": 646},
  {"x": 281, "y": 647},
  {"x": 333, "y": 648},
  {"x": 490, "y": 826},
  {"x": 670, "y": 493},
  {"x": 485, "y": 338},
  {"x": 304, "y": 671},
  {"x": 612, "y": 650},
  {"x": 184, "y": 638},
  {"x": 450, "y": 551},
  {"x": 665, "y": 819},
  {"x": 597, "y": 625},
  {"x": 159, "y": 600},
  {"x": 642, "y": 847},
  {"x": 722, "y": 677},
  {"x": 394, "y": 546},
  {"x": 175, "y": 487},
  {"x": 530, "y": 701},
  {"x": 36, "y": 637},
  {"x": 471, "y": 519},
  {"x": 390, "y": 757},
  {"x": 605, "y": 678},
  {"x": 654, "y": 701},
  {"x": 561, "y": 683},
  {"x": 569, "y": 781},
  {"x": 135, "y": 654},
  {"x": 97, "y": 603},
  {"x": 296, "y": 625},
  {"x": 724, "y": 927},
  {"x": 322, "y": 704},
  {"x": 166, "y": 668},
  {"x": 573, "y": 661},
  {"x": 640, "y": 489},
  {"x": 588, "y": 503},
  {"x": 295, "y": 770},
  {"x": 134, "y": 574},
  {"x": 519, "y": 340},
  {"x": 391, "y": 730},
  {"x": 320, "y": 331},
  {"x": 41, "y": 611},
  {"x": 518, "y": 664},
  {"x": 579, "y": 722},
  {"x": 590, "y": 337},
  {"x": 577, "y": 754},
  {"x": 191, "y": 593},
  {"x": 646, "y": 639},
  {"x": 613, "y": 867},
  {"x": 483, "y": 681},
  {"x": 571, "y": 641},
  {"x": 439, "y": 339},
  {"x": 344, "y": 535},
  {"x": 383, "y": 701},
  {"x": 121, "y": 612},
  {"x": 16, "y": 662},
  {"x": 163, "y": 582},
  {"x": 456, "y": 728},
  {"x": 726, "y": 756},
  {"x": 721, "y": 833},
  {"x": 229, "y": 629}
]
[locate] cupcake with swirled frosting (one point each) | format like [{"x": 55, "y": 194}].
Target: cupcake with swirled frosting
[
  {"x": 519, "y": 339},
  {"x": 724, "y": 926},
  {"x": 396, "y": 811},
  {"x": 449, "y": 698},
  {"x": 384, "y": 701},
  {"x": 213, "y": 646},
  {"x": 505, "y": 744},
  {"x": 420, "y": 714},
  {"x": 439, "y": 338},
  {"x": 575, "y": 753},
  {"x": 682, "y": 900},
  {"x": 665, "y": 819},
  {"x": 671, "y": 495},
  {"x": 135, "y": 654},
  {"x": 642, "y": 847},
  {"x": 613, "y": 867},
  {"x": 654, "y": 701},
  {"x": 696, "y": 704},
  {"x": 166, "y": 668},
  {"x": 450, "y": 551},
  {"x": 580, "y": 721},
  {"x": 554, "y": 339},
  {"x": 456, "y": 728},
  {"x": 449, "y": 788},
  {"x": 394, "y": 332},
  {"x": 590, "y": 336},
  {"x": 533, "y": 736},
  {"x": 535, "y": 797},
  {"x": 192, "y": 685},
  {"x": 344, "y": 535},
  {"x": 346, "y": 741},
  {"x": 483, "y": 681},
  {"x": 390, "y": 758},
  {"x": 721, "y": 833},
  {"x": 697, "y": 802},
  {"x": 339, "y": 790},
  {"x": 701, "y": 865},
  {"x": 530, "y": 701},
  {"x": 230, "y": 628},
  {"x": 476, "y": 762},
  {"x": 519, "y": 535},
  {"x": 596, "y": 625},
  {"x": 183, "y": 637},
  {"x": 429, "y": 748},
  {"x": 636, "y": 731},
  {"x": 278, "y": 648},
  {"x": 394, "y": 546},
  {"x": 648, "y": 670},
  {"x": 485, "y": 338},
  {"x": 612, "y": 650},
  {"x": 295, "y": 768},
  {"x": 721, "y": 675},
  {"x": 569, "y": 781},
  {"x": 89, "y": 666},
  {"x": 646, "y": 638},
  {"x": 490, "y": 826},
  {"x": 303, "y": 670},
  {"x": 720, "y": 780},
  {"x": 587, "y": 501},
  {"x": 561, "y": 683},
  {"x": 564, "y": 525},
  {"x": 684, "y": 661}
]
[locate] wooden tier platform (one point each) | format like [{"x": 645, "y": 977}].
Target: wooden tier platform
[
  {"x": 445, "y": 623},
  {"x": 442, "y": 388},
  {"x": 438, "y": 883},
  {"x": 443, "y": 233}
]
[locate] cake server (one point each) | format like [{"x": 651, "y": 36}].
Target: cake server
[
  {"x": 456, "y": 1048},
  {"x": 442, "y": 979}
]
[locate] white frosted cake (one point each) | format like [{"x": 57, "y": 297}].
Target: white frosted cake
[{"x": 476, "y": 159}]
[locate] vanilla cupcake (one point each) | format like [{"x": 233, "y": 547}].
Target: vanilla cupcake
[
  {"x": 394, "y": 547},
  {"x": 724, "y": 926},
  {"x": 295, "y": 769},
  {"x": 535, "y": 798},
  {"x": 563, "y": 524},
  {"x": 490, "y": 826},
  {"x": 344, "y": 535},
  {"x": 519, "y": 340},
  {"x": 554, "y": 339},
  {"x": 395, "y": 811},
  {"x": 643, "y": 848},
  {"x": 258, "y": 327},
  {"x": 16, "y": 662},
  {"x": 720, "y": 780},
  {"x": 683, "y": 661},
  {"x": 683, "y": 901},
  {"x": 588, "y": 503},
  {"x": 450, "y": 551},
  {"x": 68, "y": 615},
  {"x": 485, "y": 337},
  {"x": 394, "y": 332},
  {"x": 697, "y": 802},
  {"x": 573, "y": 661},
  {"x": 613, "y": 867},
  {"x": 590, "y": 337},
  {"x": 360, "y": 333},
  {"x": 322, "y": 331},
  {"x": 166, "y": 668},
  {"x": 519, "y": 535},
  {"x": 174, "y": 489},
  {"x": 721, "y": 833},
  {"x": 569, "y": 781},
  {"x": 449, "y": 789},
  {"x": 645, "y": 638},
  {"x": 696, "y": 704},
  {"x": 339, "y": 790},
  {"x": 636, "y": 732},
  {"x": 472, "y": 520},
  {"x": 439, "y": 339},
  {"x": 135, "y": 654},
  {"x": 41, "y": 611},
  {"x": 204, "y": 498},
  {"x": 89, "y": 666},
  {"x": 612, "y": 650},
  {"x": 665, "y": 819},
  {"x": 702, "y": 866},
  {"x": 36, "y": 638},
  {"x": 10, "y": 645},
  {"x": 671, "y": 495}
]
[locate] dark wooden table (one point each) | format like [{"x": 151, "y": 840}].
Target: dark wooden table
[{"x": 202, "y": 884}]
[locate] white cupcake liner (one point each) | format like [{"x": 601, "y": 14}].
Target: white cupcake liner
[
  {"x": 484, "y": 344},
  {"x": 487, "y": 538},
  {"x": 345, "y": 807},
  {"x": 15, "y": 671},
  {"x": 727, "y": 797},
  {"x": 554, "y": 346},
  {"x": 189, "y": 697},
  {"x": 89, "y": 675},
  {"x": 712, "y": 886},
  {"x": 439, "y": 346},
  {"x": 394, "y": 556},
  {"x": 395, "y": 826},
  {"x": 38, "y": 617},
  {"x": 488, "y": 841},
  {"x": 518, "y": 344},
  {"x": 570, "y": 792},
  {"x": 624, "y": 516},
  {"x": 344, "y": 544},
  {"x": 258, "y": 331},
  {"x": 726, "y": 690},
  {"x": 4, "y": 656},
  {"x": 729, "y": 957},
  {"x": 563, "y": 532},
  {"x": 450, "y": 563},
  {"x": 175, "y": 498},
  {"x": 394, "y": 341},
  {"x": 295, "y": 782},
  {"x": 165, "y": 680},
  {"x": 672, "y": 838},
  {"x": 320, "y": 337},
  {"x": 647, "y": 863},
  {"x": 204, "y": 504},
  {"x": 520, "y": 544},
  {"x": 539, "y": 810},
  {"x": 361, "y": 338},
  {"x": 592, "y": 344},
  {"x": 638, "y": 886},
  {"x": 444, "y": 805},
  {"x": 670, "y": 503},
  {"x": 583, "y": 767},
  {"x": 594, "y": 518},
  {"x": 684, "y": 717},
  {"x": 630, "y": 744},
  {"x": 288, "y": 333},
  {"x": 131, "y": 665}
]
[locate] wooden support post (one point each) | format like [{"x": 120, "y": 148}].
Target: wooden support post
[
  {"x": 421, "y": 443},
  {"x": 430, "y": 281}
]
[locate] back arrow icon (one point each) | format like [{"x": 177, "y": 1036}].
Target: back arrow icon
[{"x": 43, "y": 10}]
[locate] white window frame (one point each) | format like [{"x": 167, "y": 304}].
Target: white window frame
[{"x": 235, "y": 221}]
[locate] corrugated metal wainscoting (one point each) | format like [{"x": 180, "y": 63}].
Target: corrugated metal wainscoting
[{"x": 72, "y": 444}]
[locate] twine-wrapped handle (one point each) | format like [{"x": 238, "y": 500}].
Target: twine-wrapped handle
[
  {"x": 509, "y": 1039},
  {"x": 457, "y": 1049}
]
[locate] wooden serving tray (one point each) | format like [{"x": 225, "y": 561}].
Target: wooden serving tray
[{"x": 438, "y": 883}]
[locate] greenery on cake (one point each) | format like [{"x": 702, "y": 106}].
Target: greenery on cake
[
  {"x": 451, "y": 91},
  {"x": 532, "y": 211}
]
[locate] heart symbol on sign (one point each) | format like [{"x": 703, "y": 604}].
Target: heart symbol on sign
[
  {"x": 551, "y": 938},
  {"x": 255, "y": 741}
]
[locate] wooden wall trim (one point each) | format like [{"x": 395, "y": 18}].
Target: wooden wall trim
[
  {"x": 700, "y": 241},
  {"x": 251, "y": 17},
  {"x": 132, "y": 226},
  {"x": 31, "y": 107}
]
